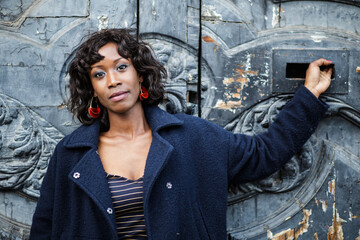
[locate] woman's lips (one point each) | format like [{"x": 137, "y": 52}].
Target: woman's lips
[{"x": 118, "y": 96}]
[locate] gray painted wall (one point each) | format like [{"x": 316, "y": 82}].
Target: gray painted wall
[{"x": 245, "y": 47}]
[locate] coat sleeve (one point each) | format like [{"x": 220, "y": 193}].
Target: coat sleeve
[
  {"x": 41, "y": 227},
  {"x": 254, "y": 157}
]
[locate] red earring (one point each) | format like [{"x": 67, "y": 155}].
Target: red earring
[
  {"x": 144, "y": 94},
  {"x": 94, "y": 112}
]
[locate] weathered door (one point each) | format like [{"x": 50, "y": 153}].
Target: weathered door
[{"x": 253, "y": 55}]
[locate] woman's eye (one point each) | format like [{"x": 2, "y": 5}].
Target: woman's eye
[
  {"x": 122, "y": 67},
  {"x": 99, "y": 74}
]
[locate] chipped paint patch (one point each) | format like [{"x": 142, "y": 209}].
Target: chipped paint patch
[
  {"x": 228, "y": 81},
  {"x": 317, "y": 202},
  {"x": 228, "y": 105},
  {"x": 318, "y": 39},
  {"x": 234, "y": 86},
  {"x": 316, "y": 236},
  {"x": 323, "y": 205},
  {"x": 208, "y": 13},
  {"x": 331, "y": 187},
  {"x": 294, "y": 233},
  {"x": 61, "y": 106},
  {"x": 103, "y": 22},
  {"x": 275, "y": 16},
  {"x": 335, "y": 231},
  {"x": 304, "y": 223},
  {"x": 351, "y": 216},
  {"x": 208, "y": 39}
]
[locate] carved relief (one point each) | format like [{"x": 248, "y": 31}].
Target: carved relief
[
  {"x": 11, "y": 12},
  {"x": 256, "y": 121},
  {"x": 301, "y": 178},
  {"x": 26, "y": 144},
  {"x": 181, "y": 62}
]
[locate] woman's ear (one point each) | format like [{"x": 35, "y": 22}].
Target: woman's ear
[{"x": 141, "y": 79}]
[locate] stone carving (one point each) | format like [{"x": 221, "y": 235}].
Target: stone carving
[
  {"x": 26, "y": 144},
  {"x": 181, "y": 62},
  {"x": 256, "y": 120},
  {"x": 11, "y": 11}
]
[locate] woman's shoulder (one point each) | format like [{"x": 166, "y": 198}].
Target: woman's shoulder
[{"x": 84, "y": 135}]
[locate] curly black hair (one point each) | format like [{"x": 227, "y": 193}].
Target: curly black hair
[{"x": 140, "y": 54}]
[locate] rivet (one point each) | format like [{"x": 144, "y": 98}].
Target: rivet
[{"x": 169, "y": 185}]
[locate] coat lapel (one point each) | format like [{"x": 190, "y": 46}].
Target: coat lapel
[
  {"x": 160, "y": 150},
  {"x": 158, "y": 156},
  {"x": 90, "y": 176},
  {"x": 89, "y": 173}
]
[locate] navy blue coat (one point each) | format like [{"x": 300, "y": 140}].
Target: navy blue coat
[{"x": 190, "y": 164}]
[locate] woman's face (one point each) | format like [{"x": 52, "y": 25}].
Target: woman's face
[{"x": 115, "y": 81}]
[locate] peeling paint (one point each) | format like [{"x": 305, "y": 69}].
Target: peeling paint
[
  {"x": 294, "y": 233},
  {"x": 208, "y": 12},
  {"x": 153, "y": 11},
  {"x": 323, "y": 205},
  {"x": 275, "y": 16},
  {"x": 335, "y": 231},
  {"x": 228, "y": 105},
  {"x": 317, "y": 202},
  {"x": 331, "y": 187},
  {"x": 351, "y": 216},
  {"x": 316, "y": 236},
  {"x": 210, "y": 40},
  {"x": 103, "y": 22},
  {"x": 61, "y": 106},
  {"x": 318, "y": 39},
  {"x": 233, "y": 90},
  {"x": 228, "y": 81}
]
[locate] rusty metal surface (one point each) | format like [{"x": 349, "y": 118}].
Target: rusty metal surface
[{"x": 227, "y": 63}]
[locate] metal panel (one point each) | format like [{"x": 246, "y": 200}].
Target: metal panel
[{"x": 289, "y": 67}]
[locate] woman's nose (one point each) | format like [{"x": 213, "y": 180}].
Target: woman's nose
[{"x": 112, "y": 80}]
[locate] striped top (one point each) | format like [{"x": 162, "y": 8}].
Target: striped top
[{"x": 127, "y": 197}]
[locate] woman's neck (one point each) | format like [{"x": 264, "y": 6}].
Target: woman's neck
[{"x": 129, "y": 125}]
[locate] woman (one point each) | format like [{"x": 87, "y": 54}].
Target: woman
[{"x": 133, "y": 171}]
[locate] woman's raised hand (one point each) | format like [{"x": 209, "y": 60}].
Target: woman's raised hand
[{"x": 317, "y": 80}]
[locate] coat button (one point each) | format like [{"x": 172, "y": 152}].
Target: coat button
[
  {"x": 169, "y": 185},
  {"x": 76, "y": 175},
  {"x": 109, "y": 210}
]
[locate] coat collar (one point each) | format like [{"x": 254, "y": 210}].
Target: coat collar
[
  {"x": 89, "y": 173},
  {"x": 88, "y": 135}
]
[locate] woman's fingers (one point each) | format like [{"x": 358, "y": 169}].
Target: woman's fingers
[{"x": 318, "y": 80}]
